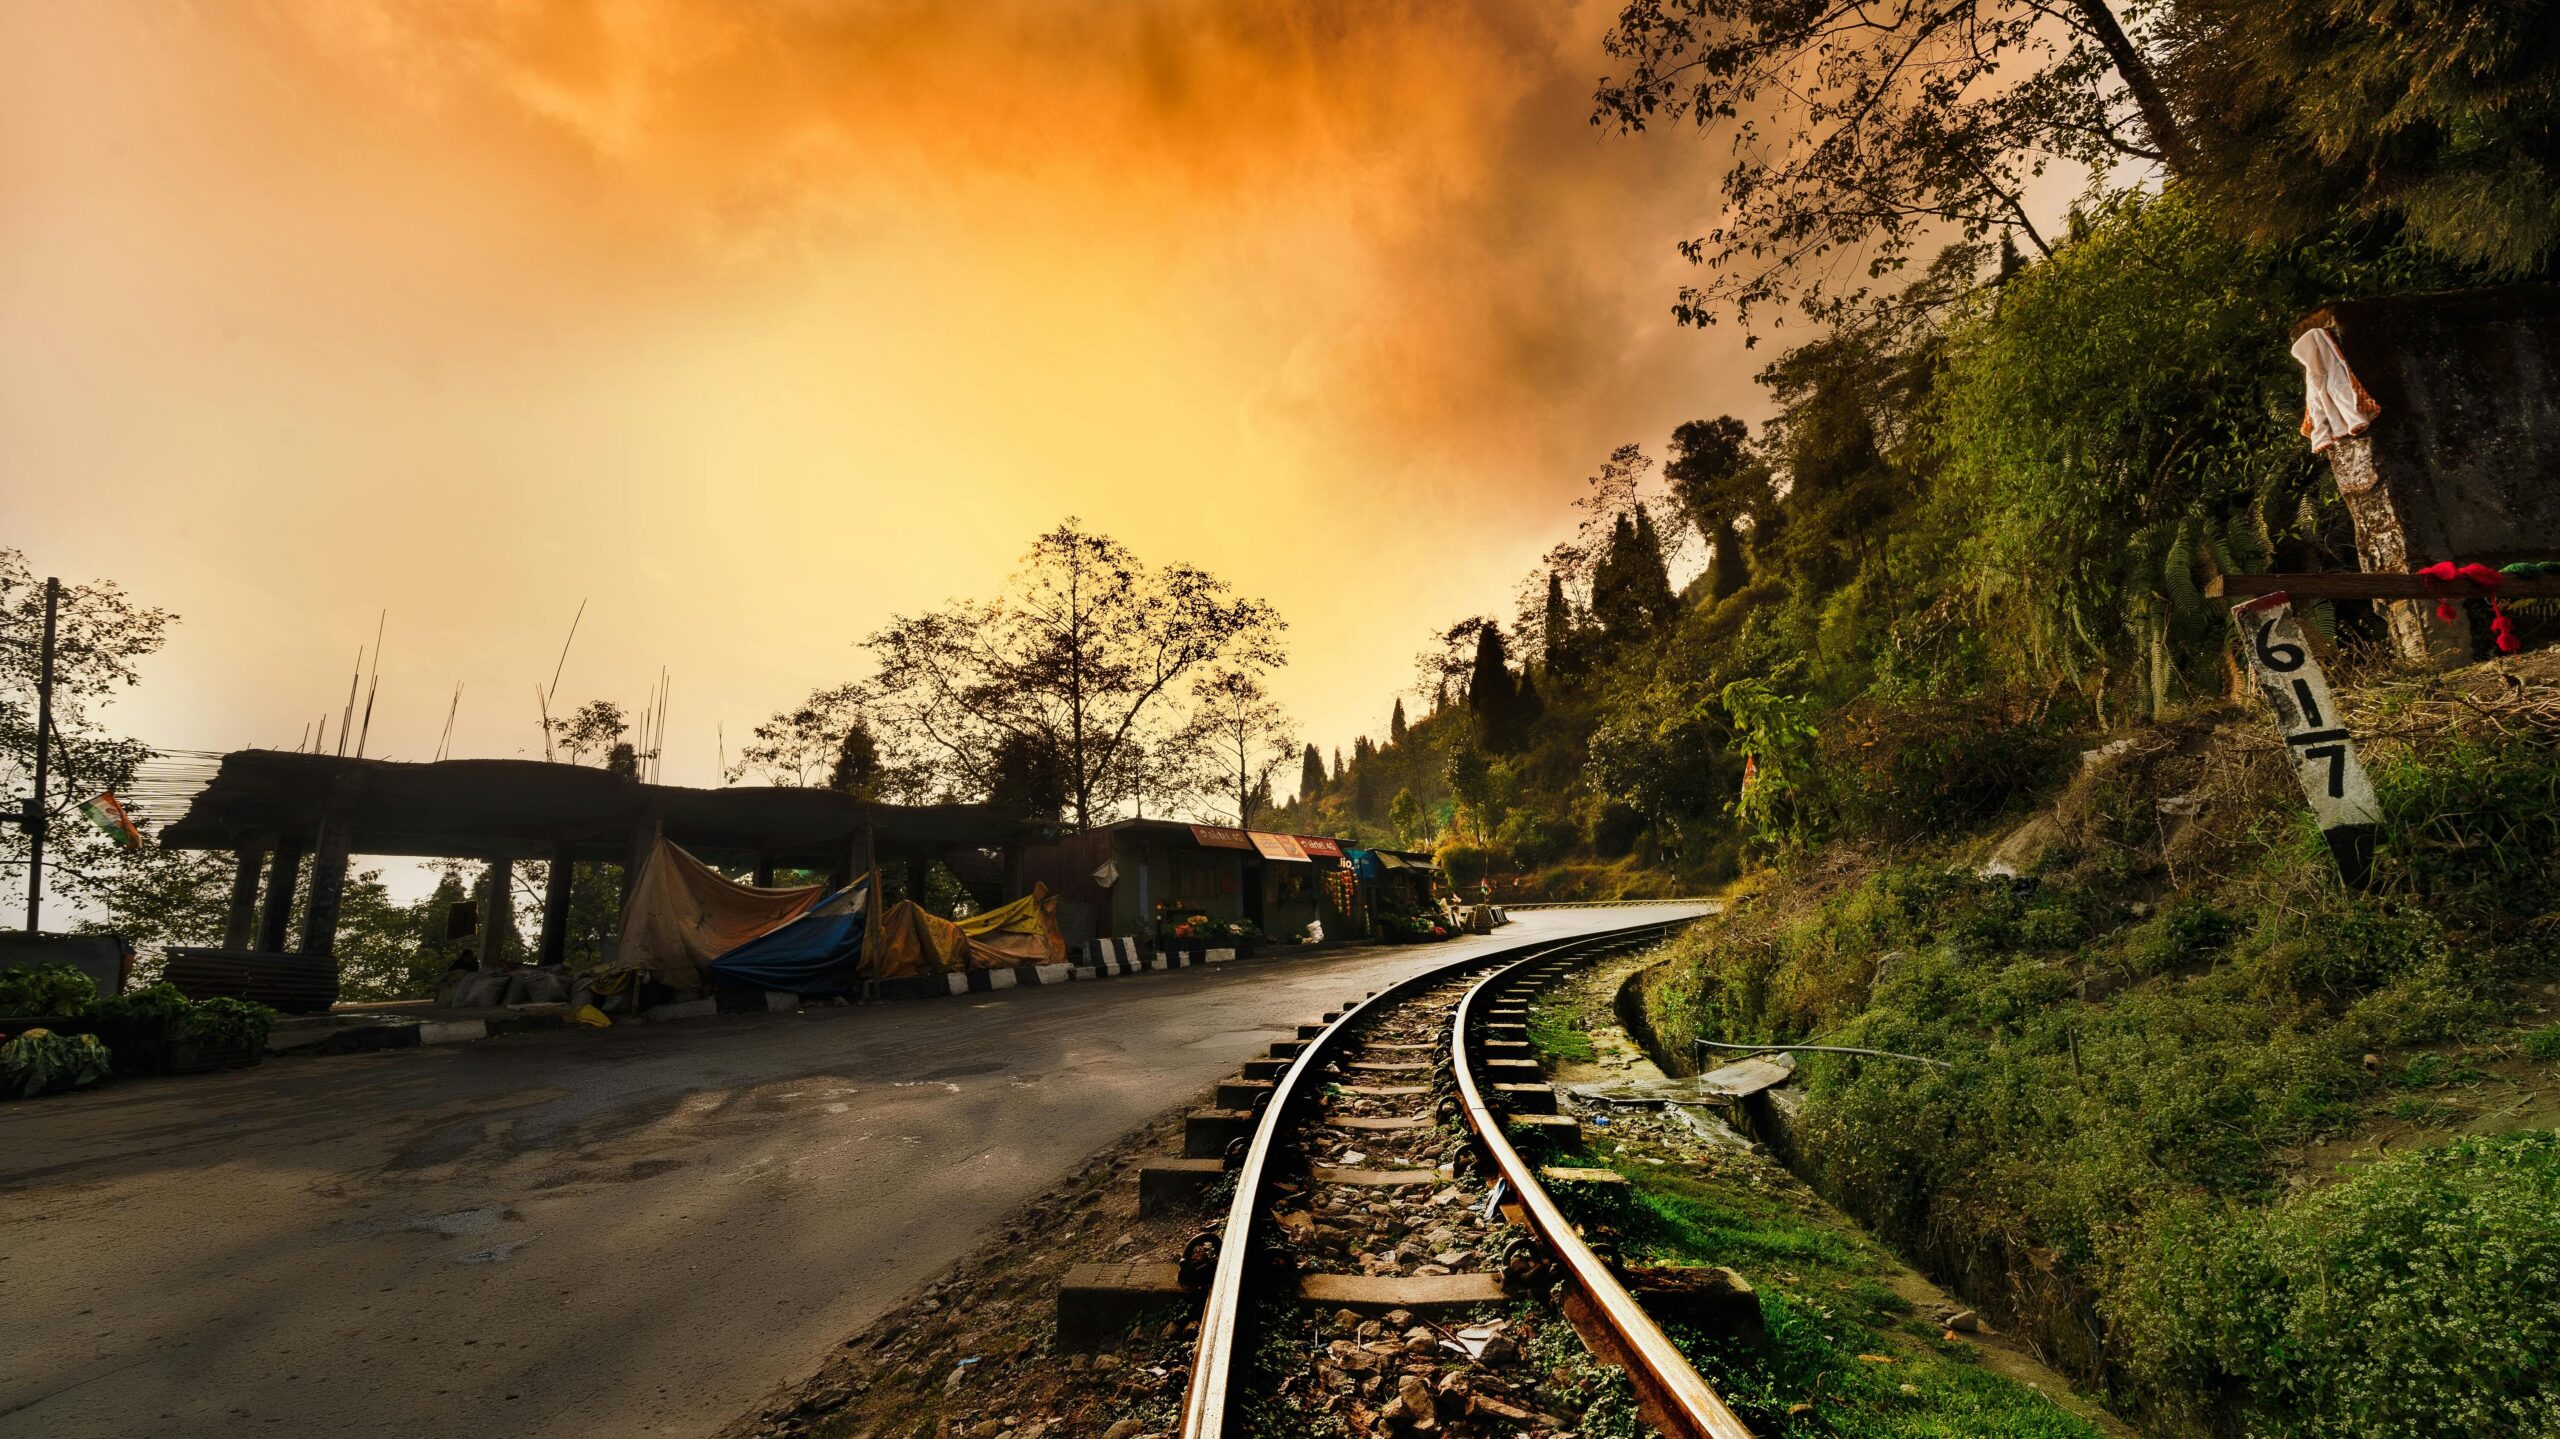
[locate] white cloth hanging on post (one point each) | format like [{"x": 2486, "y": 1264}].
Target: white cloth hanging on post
[{"x": 2334, "y": 403}]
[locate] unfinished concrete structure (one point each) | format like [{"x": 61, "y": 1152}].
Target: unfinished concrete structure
[{"x": 272, "y": 809}]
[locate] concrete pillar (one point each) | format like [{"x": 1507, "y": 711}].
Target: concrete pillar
[
  {"x": 1145, "y": 925},
  {"x": 284, "y": 872},
  {"x": 500, "y": 925},
  {"x": 644, "y": 838},
  {"x": 328, "y": 883},
  {"x": 242, "y": 923},
  {"x": 554, "y": 945}
]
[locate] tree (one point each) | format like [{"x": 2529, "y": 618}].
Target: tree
[
  {"x": 857, "y": 769},
  {"x": 1310, "y": 774},
  {"x": 1857, "y": 133},
  {"x": 1027, "y": 779},
  {"x": 1720, "y": 485},
  {"x": 1086, "y": 653},
  {"x": 826, "y": 740},
  {"x": 594, "y": 728},
  {"x": 1490, "y": 691},
  {"x": 2443, "y": 118},
  {"x": 1448, "y": 659},
  {"x": 1247, "y": 737},
  {"x": 1404, "y": 815},
  {"x": 100, "y": 639},
  {"x": 1395, "y": 723},
  {"x": 1631, "y": 587},
  {"x": 1557, "y": 629}
]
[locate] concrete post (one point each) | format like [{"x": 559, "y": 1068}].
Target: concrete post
[
  {"x": 554, "y": 945},
  {"x": 242, "y": 921},
  {"x": 328, "y": 883},
  {"x": 284, "y": 873}
]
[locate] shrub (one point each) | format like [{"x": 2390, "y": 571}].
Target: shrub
[
  {"x": 2415, "y": 1297},
  {"x": 39, "y": 1061}
]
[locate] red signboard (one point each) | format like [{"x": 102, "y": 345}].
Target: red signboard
[
  {"x": 1219, "y": 837},
  {"x": 1319, "y": 847}
]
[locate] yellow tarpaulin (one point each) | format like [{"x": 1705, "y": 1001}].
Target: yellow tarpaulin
[
  {"x": 1023, "y": 932},
  {"x": 909, "y": 941},
  {"x": 683, "y": 914}
]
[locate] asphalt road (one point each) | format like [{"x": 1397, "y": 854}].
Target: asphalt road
[{"x": 633, "y": 1231}]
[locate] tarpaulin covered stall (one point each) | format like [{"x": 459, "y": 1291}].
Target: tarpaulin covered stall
[
  {"x": 911, "y": 941},
  {"x": 684, "y": 914},
  {"x": 820, "y": 953},
  {"x": 1023, "y": 932}
]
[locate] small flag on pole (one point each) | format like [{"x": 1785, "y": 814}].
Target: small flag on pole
[{"x": 107, "y": 813}]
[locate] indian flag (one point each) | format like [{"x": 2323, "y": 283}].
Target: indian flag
[{"x": 107, "y": 813}]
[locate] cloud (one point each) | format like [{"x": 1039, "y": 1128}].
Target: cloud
[{"x": 1395, "y": 213}]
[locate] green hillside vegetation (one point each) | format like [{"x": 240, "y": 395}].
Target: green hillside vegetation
[{"x": 2257, "y": 1153}]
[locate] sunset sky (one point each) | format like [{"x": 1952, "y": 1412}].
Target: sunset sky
[{"x": 751, "y": 324}]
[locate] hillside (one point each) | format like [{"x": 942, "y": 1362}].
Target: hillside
[{"x": 2260, "y": 1154}]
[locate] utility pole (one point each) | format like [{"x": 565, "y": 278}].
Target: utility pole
[{"x": 34, "y": 818}]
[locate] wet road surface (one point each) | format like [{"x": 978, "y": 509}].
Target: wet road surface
[{"x": 633, "y": 1231}]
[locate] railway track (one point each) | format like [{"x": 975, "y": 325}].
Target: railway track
[{"x": 1389, "y": 1218}]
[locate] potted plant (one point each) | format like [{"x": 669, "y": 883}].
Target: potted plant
[{"x": 1245, "y": 935}]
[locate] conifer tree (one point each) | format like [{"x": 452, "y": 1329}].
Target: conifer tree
[
  {"x": 1310, "y": 774},
  {"x": 1559, "y": 627},
  {"x": 1395, "y": 723}
]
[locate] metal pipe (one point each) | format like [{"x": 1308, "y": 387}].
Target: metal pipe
[{"x": 1820, "y": 1049}]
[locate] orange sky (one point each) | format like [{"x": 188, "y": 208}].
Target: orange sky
[{"x": 751, "y": 324}]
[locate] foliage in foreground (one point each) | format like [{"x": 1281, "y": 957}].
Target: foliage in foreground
[{"x": 2419, "y": 1296}]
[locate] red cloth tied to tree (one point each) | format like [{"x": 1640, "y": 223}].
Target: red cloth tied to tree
[{"x": 2445, "y": 572}]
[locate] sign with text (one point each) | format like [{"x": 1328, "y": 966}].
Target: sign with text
[
  {"x": 1277, "y": 846},
  {"x": 2315, "y": 736}
]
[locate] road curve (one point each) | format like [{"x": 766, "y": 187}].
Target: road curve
[{"x": 635, "y": 1231}]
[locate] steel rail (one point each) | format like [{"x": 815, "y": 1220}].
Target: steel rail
[
  {"x": 1213, "y": 1363},
  {"x": 1675, "y": 1395}
]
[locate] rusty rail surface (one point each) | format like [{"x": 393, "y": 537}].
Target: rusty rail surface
[
  {"x": 1673, "y": 1394},
  {"x": 1206, "y": 1406}
]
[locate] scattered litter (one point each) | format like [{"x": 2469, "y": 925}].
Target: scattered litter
[{"x": 1471, "y": 1341}]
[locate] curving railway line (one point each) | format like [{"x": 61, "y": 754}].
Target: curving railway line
[{"x": 1395, "y": 1164}]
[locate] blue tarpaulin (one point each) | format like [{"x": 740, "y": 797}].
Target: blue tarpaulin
[{"x": 818, "y": 953}]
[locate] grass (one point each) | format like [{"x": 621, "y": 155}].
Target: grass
[
  {"x": 1844, "y": 1354},
  {"x": 1557, "y": 1032}
]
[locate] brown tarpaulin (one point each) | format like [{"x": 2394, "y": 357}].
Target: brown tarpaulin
[{"x": 683, "y": 914}]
